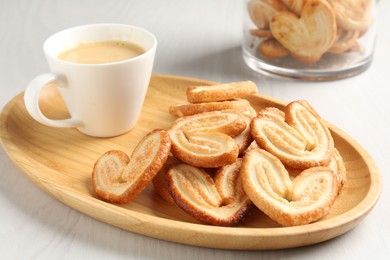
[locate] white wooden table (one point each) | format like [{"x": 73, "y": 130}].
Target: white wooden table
[{"x": 197, "y": 39}]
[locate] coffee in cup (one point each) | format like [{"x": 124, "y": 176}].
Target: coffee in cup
[
  {"x": 101, "y": 52},
  {"x": 102, "y": 72}
]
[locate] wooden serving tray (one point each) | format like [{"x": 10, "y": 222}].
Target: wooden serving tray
[{"x": 60, "y": 162}]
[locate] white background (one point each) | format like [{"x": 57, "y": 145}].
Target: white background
[{"x": 197, "y": 39}]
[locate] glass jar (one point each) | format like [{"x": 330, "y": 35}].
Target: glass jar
[{"x": 309, "y": 39}]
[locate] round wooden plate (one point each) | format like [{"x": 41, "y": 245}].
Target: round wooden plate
[{"x": 60, "y": 162}]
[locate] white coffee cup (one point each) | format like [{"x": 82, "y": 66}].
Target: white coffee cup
[{"x": 103, "y": 99}]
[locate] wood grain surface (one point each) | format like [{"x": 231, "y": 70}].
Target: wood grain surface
[{"x": 60, "y": 162}]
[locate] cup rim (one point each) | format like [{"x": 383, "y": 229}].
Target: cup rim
[{"x": 55, "y": 57}]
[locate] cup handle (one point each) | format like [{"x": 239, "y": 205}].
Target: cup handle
[{"x": 31, "y": 101}]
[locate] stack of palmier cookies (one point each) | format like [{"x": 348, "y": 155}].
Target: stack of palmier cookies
[
  {"x": 220, "y": 157},
  {"x": 306, "y": 29}
]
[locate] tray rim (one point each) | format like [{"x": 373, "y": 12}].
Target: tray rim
[{"x": 344, "y": 221}]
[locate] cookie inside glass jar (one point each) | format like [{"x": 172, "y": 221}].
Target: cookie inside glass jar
[{"x": 309, "y": 39}]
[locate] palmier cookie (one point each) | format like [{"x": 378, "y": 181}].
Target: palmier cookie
[
  {"x": 300, "y": 141},
  {"x": 160, "y": 181},
  {"x": 309, "y": 36},
  {"x": 345, "y": 40},
  {"x": 220, "y": 92},
  {"x": 197, "y": 108},
  {"x": 261, "y": 11},
  {"x": 205, "y": 140},
  {"x": 307, "y": 198},
  {"x": 353, "y": 15},
  {"x": 220, "y": 201},
  {"x": 261, "y": 33},
  {"x": 271, "y": 48},
  {"x": 117, "y": 178}
]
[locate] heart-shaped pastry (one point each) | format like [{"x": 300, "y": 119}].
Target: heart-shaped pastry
[
  {"x": 117, "y": 178},
  {"x": 353, "y": 14},
  {"x": 189, "y": 109},
  {"x": 220, "y": 92},
  {"x": 271, "y": 48},
  {"x": 307, "y": 198},
  {"x": 160, "y": 181},
  {"x": 345, "y": 40},
  {"x": 261, "y": 11},
  {"x": 205, "y": 140},
  {"x": 336, "y": 165},
  {"x": 309, "y": 36},
  {"x": 297, "y": 137},
  {"x": 220, "y": 201}
]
